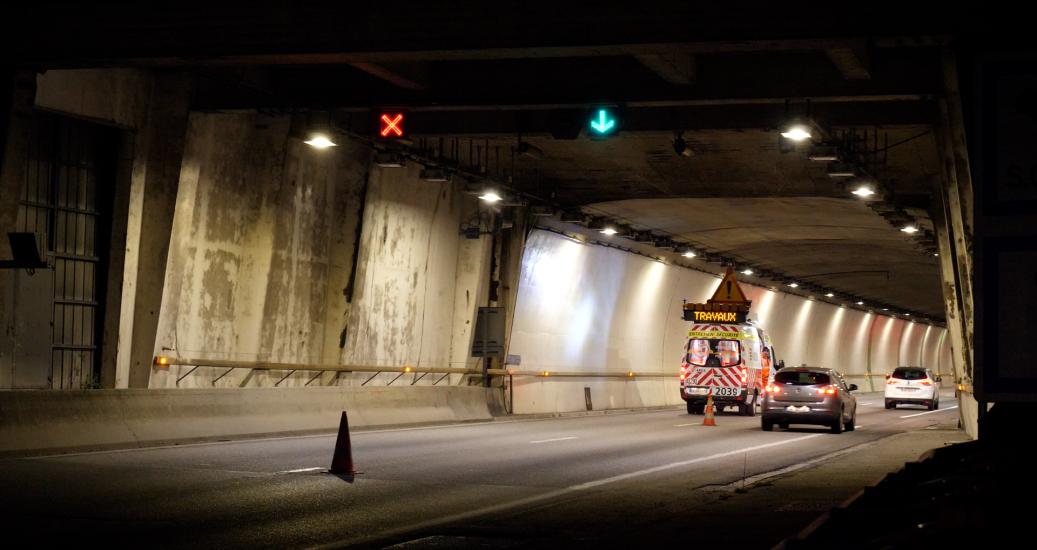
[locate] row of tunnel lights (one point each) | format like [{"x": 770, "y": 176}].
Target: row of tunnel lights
[
  {"x": 688, "y": 253},
  {"x": 322, "y": 141},
  {"x": 800, "y": 133},
  {"x": 796, "y": 133}
]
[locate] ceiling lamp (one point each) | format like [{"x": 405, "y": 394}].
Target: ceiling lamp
[
  {"x": 797, "y": 133},
  {"x": 864, "y": 191},
  {"x": 320, "y": 141},
  {"x": 490, "y": 197}
]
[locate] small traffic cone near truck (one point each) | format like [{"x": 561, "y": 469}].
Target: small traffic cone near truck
[{"x": 709, "y": 420}]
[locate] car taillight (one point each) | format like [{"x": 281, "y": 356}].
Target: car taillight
[
  {"x": 891, "y": 381},
  {"x": 926, "y": 383},
  {"x": 827, "y": 390},
  {"x": 773, "y": 388}
]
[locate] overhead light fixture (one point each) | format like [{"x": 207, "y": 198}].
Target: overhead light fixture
[
  {"x": 885, "y": 309},
  {"x": 529, "y": 150},
  {"x": 680, "y": 146},
  {"x": 829, "y": 295},
  {"x": 664, "y": 243},
  {"x": 490, "y": 197},
  {"x": 320, "y": 141},
  {"x": 687, "y": 252},
  {"x": 823, "y": 154},
  {"x": 387, "y": 159},
  {"x": 572, "y": 216},
  {"x": 909, "y": 229},
  {"x": 609, "y": 231},
  {"x": 794, "y": 284},
  {"x": 907, "y": 315},
  {"x": 747, "y": 271},
  {"x": 796, "y": 132},
  {"x": 860, "y": 303},
  {"x": 642, "y": 236},
  {"x": 435, "y": 175},
  {"x": 936, "y": 254},
  {"x": 864, "y": 191},
  {"x": 842, "y": 172}
]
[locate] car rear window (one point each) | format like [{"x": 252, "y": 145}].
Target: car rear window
[
  {"x": 802, "y": 378},
  {"x": 909, "y": 374}
]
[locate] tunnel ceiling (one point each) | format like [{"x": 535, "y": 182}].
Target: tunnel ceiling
[{"x": 478, "y": 80}]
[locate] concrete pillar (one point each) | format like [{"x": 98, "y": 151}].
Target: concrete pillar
[
  {"x": 954, "y": 222},
  {"x": 514, "y": 246},
  {"x": 471, "y": 292},
  {"x": 17, "y": 93},
  {"x": 164, "y": 138},
  {"x": 113, "y": 315}
]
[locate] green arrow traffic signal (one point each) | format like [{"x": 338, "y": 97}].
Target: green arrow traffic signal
[{"x": 602, "y": 123}]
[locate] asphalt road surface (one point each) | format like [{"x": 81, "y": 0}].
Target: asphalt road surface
[{"x": 575, "y": 481}]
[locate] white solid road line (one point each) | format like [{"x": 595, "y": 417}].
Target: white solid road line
[
  {"x": 300, "y": 470},
  {"x": 689, "y": 424},
  {"x": 621, "y": 477},
  {"x": 930, "y": 412},
  {"x": 555, "y": 439}
]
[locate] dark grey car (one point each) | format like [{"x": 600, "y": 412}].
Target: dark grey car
[{"x": 809, "y": 395}]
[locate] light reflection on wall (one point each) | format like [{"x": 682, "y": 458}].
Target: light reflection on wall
[
  {"x": 587, "y": 307},
  {"x": 799, "y": 344},
  {"x": 907, "y": 354},
  {"x": 884, "y": 355},
  {"x": 763, "y": 306},
  {"x": 833, "y": 340}
]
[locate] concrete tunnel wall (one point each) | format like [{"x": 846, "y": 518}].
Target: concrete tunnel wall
[
  {"x": 585, "y": 307},
  {"x": 262, "y": 248}
]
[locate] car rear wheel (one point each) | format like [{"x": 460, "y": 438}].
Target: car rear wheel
[
  {"x": 890, "y": 404},
  {"x": 837, "y": 426},
  {"x": 784, "y": 425},
  {"x": 852, "y": 424},
  {"x": 767, "y": 425}
]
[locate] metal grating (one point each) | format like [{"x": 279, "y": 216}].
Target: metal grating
[{"x": 68, "y": 185}]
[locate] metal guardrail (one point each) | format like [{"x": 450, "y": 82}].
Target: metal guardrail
[
  {"x": 583, "y": 374},
  {"x": 292, "y": 368}
]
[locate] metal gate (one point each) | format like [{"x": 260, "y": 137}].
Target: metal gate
[{"x": 66, "y": 203}]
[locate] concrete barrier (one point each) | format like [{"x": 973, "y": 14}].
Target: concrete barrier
[{"x": 38, "y": 421}]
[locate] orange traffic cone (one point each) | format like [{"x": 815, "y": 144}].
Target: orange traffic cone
[
  {"x": 342, "y": 461},
  {"x": 709, "y": 420}
]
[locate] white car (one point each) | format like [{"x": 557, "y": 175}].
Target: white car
[{"x": 913, "y": 385}]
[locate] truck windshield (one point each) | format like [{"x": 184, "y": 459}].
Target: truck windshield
[{"x": 728, "y": 351}]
